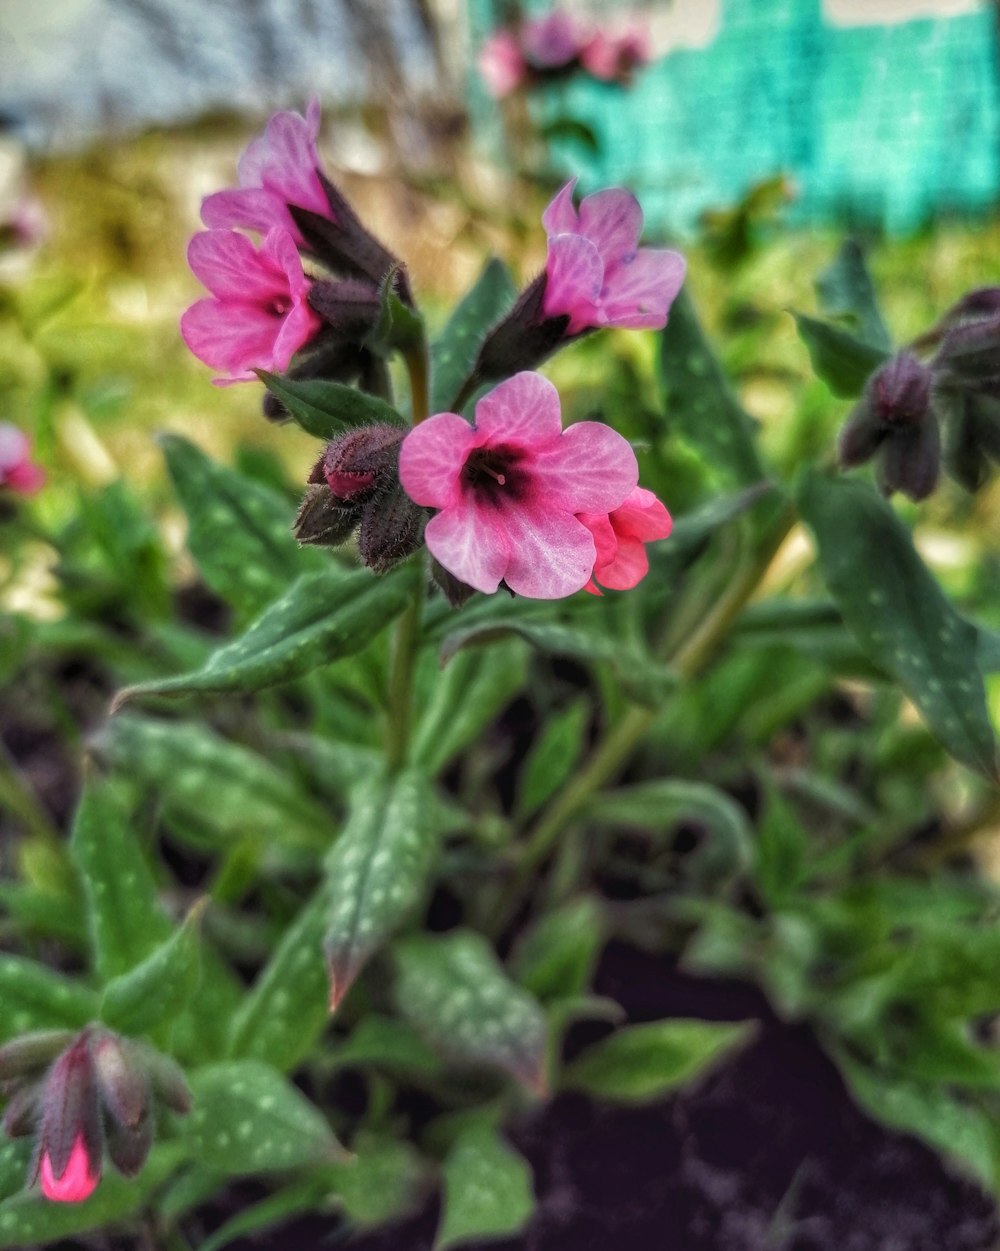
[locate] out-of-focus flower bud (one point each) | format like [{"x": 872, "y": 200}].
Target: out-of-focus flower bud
[
  {"x": 895, "y": 422},
  {"x": 70, "y": 1138},
  {"x": 31, "y": 1053},
  {"x": 522, "y": 340},
  {"x": 122, "y": 1082},
  {"x": 20, "y": 1117},
  {"x": 128, "y": 1146},
  {"x": 972, "y": 438},
  {"x": 969, "y": 353}
]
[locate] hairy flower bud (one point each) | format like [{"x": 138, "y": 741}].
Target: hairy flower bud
[
  {"x": 20, "y": 1116},
  {"x": 70, "y": 1138},
  {"x": 322, "y": 519},
  {"x": 31, "y": 1053},
  {"x": 122, "y": 1082}
]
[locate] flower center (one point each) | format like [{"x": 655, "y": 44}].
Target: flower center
[
  {"x": 279, "y": 306},
  {"x": 494, "y": 474}
]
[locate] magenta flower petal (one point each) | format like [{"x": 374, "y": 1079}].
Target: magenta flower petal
[
  {"x": 629, "y": 567},
  {"x": 523, "y": 410},
  {"x": 431, "y": 459},
  {"x": 574, "y": 278},
  {"x": 592, "y": 463},
  {"x": 551, "y": 553},
  {"x": 561, "y": 217},
  {"x": 468, "y": 544},
  {"x": 501, "y": 64},
  {"x": 17, "y": 471},
  {"x": 638, "y": 293},
  {"x": 76, "y": 1182},
  {"x": 612, "y": 221},
  {"x": 230, "y": 338},
  {"x": 623, "y": 563},
  {"x": 250, "y": 208},
  {"x": 232, "y": 269},
  {"x": 553, "y": 40}
]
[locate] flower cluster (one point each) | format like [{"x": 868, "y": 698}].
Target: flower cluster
[
  {"x": 264, "y": 308},
  {"x": 18, "y": 473},
  {"x": 82, "y": 1096},
  {"x": 557, "y": 45},
  {"x": 509, "y": 499},
  {"x": 906, "y": 404}
]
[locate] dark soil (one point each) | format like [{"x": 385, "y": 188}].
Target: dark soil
[{"x": 769, "y": 1153}]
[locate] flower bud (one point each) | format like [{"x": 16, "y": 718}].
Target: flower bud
[
  {"x": 128, "y": 1146},
  {"x": 31, "y": 1053},
  {"x": 523, "y": 339},
  {"x": 455, "y": 592},
  {"x": 969, "y": 353},
  {"x": 899, "y": 393},
  {"x": 353, "y": 462},
  {"x": 972, "y": 438},
  {"x": 350, "y": 307},
  {"x": 392, "y": 527},
  {"x": 70, "y": 1139},
  {"x": 122, "y": 1083},
  {"x": 166, "y": 1078},
  {"x": 20, "y": 1117},
  {"x": 323, "y": 520},
  {"x": 910, "y": 461}
]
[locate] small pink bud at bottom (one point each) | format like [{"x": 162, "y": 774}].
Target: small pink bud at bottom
[{"x": 76, "y": 1182}]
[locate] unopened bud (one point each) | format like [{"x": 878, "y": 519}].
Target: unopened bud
[
  {"x": 166, "y": 1078},
  {"x": 392, "y": 527},
  {"x": 350, "y": 307},
  {"x": 354, "y": 462},
  {"x": 969, "y": 353},
  {"x": 899, "y": 393},
  {"x": 128, "y": 1146},
  {"x": 31, "y": 1053},
  {"x": 323, "y": 520},
  {"x": 522, "y": 340},
  {"x": 455, "y": 592},
  {"x": 121, "y": 1079},
  {"x": 70, "y": 1138},
  {"x": 972, "y": 438},
  {"x": 860, "y": 436},
  {"x": 910, "y": 461},
  {"x": 20, "y": 1117}
]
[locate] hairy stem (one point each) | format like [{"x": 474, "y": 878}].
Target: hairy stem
[{"x": 400, "y": 690}]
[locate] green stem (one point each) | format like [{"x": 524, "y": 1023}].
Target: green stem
[
  {"x": 400, "y": 701},
  {"x": 418, "y": 370},
  {"x": 17, "y": 795},
  {"x": 690, "y": 658}
]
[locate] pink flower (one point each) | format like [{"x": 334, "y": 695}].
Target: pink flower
[
  {"x": 620, "y": 536},
  {"x": 501, "y": 64},
  {"x": 611, "y": 56},
  {"x": 258, "y": 316},
  {"x": 77, "y": 1180},
  {"x": 509, "y": 487},
  {"x": 596, "y": 273},
  {"x": 279, "y": 168},
  {"x": 552, "y": 41},
  {"x": 16, "y": 468}
]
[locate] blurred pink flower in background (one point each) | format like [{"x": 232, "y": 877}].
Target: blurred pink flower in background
[
  {"x": 278, "y": 168},
  {"x": 596, "y": 273},
  {"x": 501, "y": 64},
  {"x": 554, "y": 40},
  {"x": 17, "y": 470},
  {"x": 620, "y": 537},
  {"x": 258, "y": 316},
  {"x": 614, "y": 56},
  {"x": 508, "y": 489}
]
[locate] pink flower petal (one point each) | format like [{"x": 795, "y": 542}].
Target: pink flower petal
[
  {"x": 605, "y": 541},
  {"x": 551, "y": 553},
  {"x": 612, "y": 221},
  {"x": 76, "y": 1181},
  {"x": 591, "y": 469},
  {"x": 252, "y": 208},
  {"x": 232, "y": 269},
  {"x": 431, "y": 459},
  {"x": 629, "y": 567},
  {"x": 574, "y": 277},
  {"x": 561, "y": 218},
  {"x": 643, "y": 517},
  {"x": 638, "y": 294},
  {"x": 501, "y": 64},
  {"x": 15, "y": 446},
  {"x": 284, "y": 160},
  {"x": 523, "y": 411},
  {"x": 469, "y": 544},
  {"x": 230, "y": 337},
  {"x": 24, "y": 478}
]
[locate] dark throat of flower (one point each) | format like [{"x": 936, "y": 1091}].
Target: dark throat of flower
[{"x": 495, "y": 475}]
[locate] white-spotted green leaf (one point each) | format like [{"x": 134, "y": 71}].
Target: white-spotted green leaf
[
  {"x": 454, "y": 990},
  {"x": 488, "y": 1190},
  {"x": 454, "y": 352},
  {"x": 239, "y": 530},
  {"x": 320, "y": 618},
  {"x": 845, "y": 290},
  {"x": 463, "y": 701},
  {"x": 28, "y": 1219},
  {"x": 642, "y": 677},
  {"x": 326, "y": 409},
  {"x": 203, "y": 778},
  {"x": 899, "y": 615},
  {"x": 126, "y": 920},
  {"x": 15, "y": 1157},
  {"x": 285, "y": 1011},
  {"x": 640, "y": 1062},
  {"x": 377, "y": 870},
  {"x": 700, "y": 403},
  {"x": 248, "y": 1118},
  {"x": 161, "y": 986},
  {"x": 843, "y": 361},
  {"x": 35, "y": 997}
]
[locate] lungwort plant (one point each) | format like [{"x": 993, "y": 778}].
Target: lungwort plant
[{"x": 468, "y": 705}]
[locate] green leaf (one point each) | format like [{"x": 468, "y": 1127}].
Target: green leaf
[
  {"x": 319, "y": 619},
  {"x": 126, "y": 921},
  {"x": 30, "y": 1220},
  {"x": 556, "y": 957},
  {"x": 399, "y": 327},
  {"x": 553, "y": 756},
  {"x": 643, "y": 678},
  {"x": 463, "y": 701},
  {"x": 700, "y": 403},
  {"x": 957, "y": 1129},
  {"x": 159, "y": 988},
  {"x": 386, "y": 1042},
  {"x": 659, "y": 805},
  {"x": 239, "y": 531},
  {"x": 377, "y": 871},
  {"x": 285, "y": 1011},
  {"x": 641, "y": 1062},
  {"x": 203, "y": 778},
  {"x": 247, "y": 1118},
  {"x": 895, "y": 609},
  {"x": 380, "y": 1183},
  {"x": 326, "y": 409},
  {"x": 15, "y": 1158},
  {"x": 572, "y": 131},
  {"x": 307, "y": 1195},
  {"x": 845, "y": 290},
  {"x": 35, "y": 997},
  {"x": 781, "y": 850},
  {"x": 454, "y": 990},
  {"x": 845, "y": 363},
  {"x": 488, "y": 1190},
  {"x": 454, "y": 352}
]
